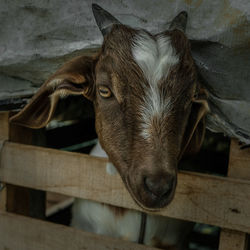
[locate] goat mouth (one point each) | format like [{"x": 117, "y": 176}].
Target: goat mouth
[{"x": 149, "y": 201}]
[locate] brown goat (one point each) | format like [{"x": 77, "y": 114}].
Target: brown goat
[{"x": 149, "y": 104}]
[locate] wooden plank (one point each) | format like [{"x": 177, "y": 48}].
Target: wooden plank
[
  {"x": 239, "y": 161},
  {"x": 232, "y": 240},
  {"x": 4, "y": 135},
  {"x": 22, "y": 233},
  {"x": 3, "y": 196},
  {"x": 4, "y": 127},
  {"x": 203, "y": 198},
  {"x": 24, "y": 200},
  {"x": 18, "y": 200},
  {"x": 238, "y": 167},
  {"x": 56, "y": 202}
]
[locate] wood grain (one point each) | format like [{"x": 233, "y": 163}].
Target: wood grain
[
  {"x": 238, "y": 167},
  {"x": 56, "y": 202},
  {"x": 3, "y": 196},
  {"x": 4, "y": 135},
  {"x": 4, "y": 127},
  {"x": 22, "y": 233},
  {"x": 239, "y": 161},
  {"x": 203, "y": 198},
  {"x": 23, "y": 200},
  {"x": 232, "y": 240}
]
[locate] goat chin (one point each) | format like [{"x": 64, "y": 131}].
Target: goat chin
[{"x": 124, "y": 223}]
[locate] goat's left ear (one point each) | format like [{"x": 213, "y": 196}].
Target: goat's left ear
[
  {"x": 196, "y": 126},
  {"x": 73, "y": 78},
  {"x": 179, "y": 22}
]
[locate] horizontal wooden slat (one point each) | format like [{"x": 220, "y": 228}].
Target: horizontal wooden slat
[
  {"x": 203, "y": 198},
  {"x": 22, "y": 233}
]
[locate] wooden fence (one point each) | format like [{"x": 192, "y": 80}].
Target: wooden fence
[{"x": 219, "y": 201}]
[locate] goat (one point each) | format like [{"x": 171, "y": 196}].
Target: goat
[
  {"x": 167, "y": 233},
  {"x": 150, "y": 110}
]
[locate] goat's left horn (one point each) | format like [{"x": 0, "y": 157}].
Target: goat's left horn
[
  {"x": 179, "y": 22},
  {"x": 104, "y": 19}
]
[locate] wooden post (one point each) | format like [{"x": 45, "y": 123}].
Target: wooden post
[
  {"x": 4, "y": 127},
  {"x": 3, "y": 197},
  {"x": 230, "y": 239},
  {"x": 16, "y": 199},
  {"x": 4, "y": 136}
]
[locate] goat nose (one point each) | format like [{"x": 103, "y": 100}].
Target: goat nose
[{"x": 159, "y": 186}]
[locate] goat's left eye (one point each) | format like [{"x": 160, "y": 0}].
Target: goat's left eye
[
  {"x": 196, "y": 95},
  {"x": 105, "y": 92}
]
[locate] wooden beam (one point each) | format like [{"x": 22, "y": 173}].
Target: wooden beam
[
  {"x": 56, "y": 202},
  {"x": 232, "y": 240},
  {"x": 238, "y": 167},
  {"x": 22, "y": 233},
  {"x": 239, "y": 161},
  {"x": 4, "y": 136},
  {"x": 23, "y": 200},
  {"x": 4, "y": 127},
  {"x": 203, "y": 198},
  {"x": 3, "y": 197}
]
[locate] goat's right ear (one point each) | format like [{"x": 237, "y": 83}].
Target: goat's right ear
[{"x": 73, "y": 78}]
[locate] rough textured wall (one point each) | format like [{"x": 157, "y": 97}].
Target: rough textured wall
[{"x": 36, "y": 36}]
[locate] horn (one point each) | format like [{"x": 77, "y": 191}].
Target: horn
[
  {"x": 104, "y": 19},
  {"x": 179, "y": 22}
]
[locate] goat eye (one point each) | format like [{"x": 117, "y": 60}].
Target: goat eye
[
  {"x": 196, "y": 95},
  {"x": 105, "y": 92}
]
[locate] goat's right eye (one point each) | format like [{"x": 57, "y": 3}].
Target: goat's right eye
[{"x": 104, "y": 92}]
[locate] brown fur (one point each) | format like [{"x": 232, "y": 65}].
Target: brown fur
[{"x": 117, "y": 117}]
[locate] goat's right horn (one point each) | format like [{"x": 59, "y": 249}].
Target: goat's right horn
[
  {"x": 179, "y": 22},
  {"x": 104, "y": 19}
]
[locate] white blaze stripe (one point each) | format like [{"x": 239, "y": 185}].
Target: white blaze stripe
[{"x": 155, "y": 58}]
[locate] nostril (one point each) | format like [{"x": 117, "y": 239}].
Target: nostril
[{"x": 159, "y": 186}]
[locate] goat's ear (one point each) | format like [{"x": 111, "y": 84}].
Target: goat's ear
[
  {"x": 179, "y": 22},
  {"x": 196, "y": 126},
  {"x": 104, "y": 19},
  {"x": 73, "y": 78}
]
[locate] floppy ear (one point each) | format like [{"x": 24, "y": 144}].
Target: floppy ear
[
  {"x": 73, "y": 78},
  {"x": 196, "y": 126}
]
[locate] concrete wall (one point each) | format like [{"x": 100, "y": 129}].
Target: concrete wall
[{"x": 36, "y": 36}]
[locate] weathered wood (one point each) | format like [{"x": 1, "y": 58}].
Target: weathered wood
[
  {"x": 4, "y": 135},
  {"x": 203, "y": 198},
  {"x": 23, "y": 200},
  {"x": 239, "y": 161},
  {"x": 18, "y": 199},
  {"x": 238, "y": 167},
  {"x": 56, "y": 202},
  {"x": 232, "y": 240},
  {"x": 18, "y": 232},
  {"x": 4, "y": 127},
  {"x": 3, "y": 197}
]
